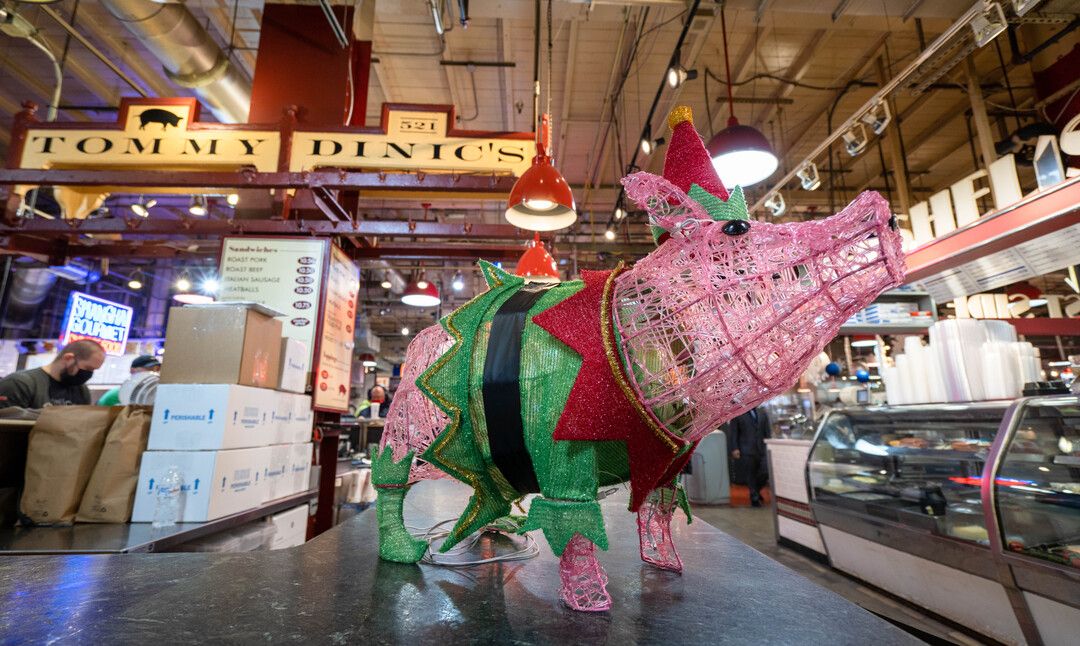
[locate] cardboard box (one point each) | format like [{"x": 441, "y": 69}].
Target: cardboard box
[
  {"x": 215, "y": 483},
  {"x": 293, "y": 372},
  {"x": 290, "y": 527},
  {"x": 209, "y": 417},
  {"x": 298, "y": 479},
  {"x": 278, "y": 472},
  {"x": 293, "y": 418},
  {"x": 222, "y": 343}
]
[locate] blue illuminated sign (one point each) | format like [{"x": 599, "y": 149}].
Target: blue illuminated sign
[{"x": 97, "y": 319}]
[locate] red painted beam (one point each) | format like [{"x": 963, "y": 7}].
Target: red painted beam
[
  {"x": 195, "y": 227},
  {"x": 1046, "y": 326},
  {"x": 332, "y": 179},
  {"x": 1037, "y": 215}
]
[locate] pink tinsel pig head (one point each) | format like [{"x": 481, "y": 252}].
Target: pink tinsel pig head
[{"x": 727, "y": 313}]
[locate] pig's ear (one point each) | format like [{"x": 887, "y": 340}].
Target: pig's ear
[{"x": 669, "y": 209}]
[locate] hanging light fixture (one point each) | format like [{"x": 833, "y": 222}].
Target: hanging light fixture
[
  {"x": 459, "y": 282},
  {"x": 404, "y": 331},
  {"x": 609, "y": 234},
  {"x": 537, "y": 264},
  {"x": 232, "y": 199},
  {"x": 210, "y": 285},
  {"x": 367, "y": 360},
  {"x": 142, "y": 207},
  {"x": 741, "y": 155},
  {"x": 136, "y": 280},
  {"x": 183, "y": 283},
  {"x": 198, "y": 206},
  {"x": 421, "y": 293},
  {"x": 541, "y": 200},
  {"x": 386, "y": 284}
]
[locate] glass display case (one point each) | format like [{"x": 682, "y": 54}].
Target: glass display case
[
  {"x": 919, "y": 466},
  {"x": 969, "y": 510}
]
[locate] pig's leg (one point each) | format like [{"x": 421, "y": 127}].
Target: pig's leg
[
  {"x": 584, "y": 582},
  {"x": 654, "y": 529},
  {"x": 391, "y": 480}
]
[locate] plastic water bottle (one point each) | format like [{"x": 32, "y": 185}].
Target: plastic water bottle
[{"x": 167, "y": 504}]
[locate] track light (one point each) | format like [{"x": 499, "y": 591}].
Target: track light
[
  {"x": 988, "y": 23},
  {"x": 809, "y": 177},
  {"x": 142, "y": 207},
  {"x": 677, "y": 75},
  {"x": 404, "y": 331},
  {"x": 210, "y": 286},
  {"x": 1023, "y": 6},
  {"x": 136, "y": 280},
  {"x": 878, "y": 117},
  {"x": 232, "y": 199},
  {"x": 198, "y": 206},
  {"x": 609, "y": 235},
  {"x": 620, "y": 213},
  {"x": 855, "y": 140},
  {"x": 775, "y": 204},
  {"x": 458, "y": 283},
  {"x": 386, "y": 284},
  {"x": 648, "y": 144}
]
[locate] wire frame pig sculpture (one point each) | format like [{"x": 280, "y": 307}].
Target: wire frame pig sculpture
[{"x": 564, "y": 390}]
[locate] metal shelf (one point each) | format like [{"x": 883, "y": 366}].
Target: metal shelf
[{"x": 893, "y": 328}]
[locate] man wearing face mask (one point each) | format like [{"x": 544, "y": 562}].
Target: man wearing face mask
[{"x": 60, "y": 383}]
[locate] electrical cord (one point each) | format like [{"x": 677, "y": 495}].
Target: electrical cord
[{"x": 433, "y": 533}]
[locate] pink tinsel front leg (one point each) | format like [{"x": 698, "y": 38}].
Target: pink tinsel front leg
[
  {"x": 654, "y": 530},
  {"x": 584, "y": 582}
]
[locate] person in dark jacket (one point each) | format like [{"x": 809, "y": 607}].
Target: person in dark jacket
[{"x": 746, "y": 440}]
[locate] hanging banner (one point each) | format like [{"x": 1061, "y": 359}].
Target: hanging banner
[
  {"x": 285, "y": 274},
  {"x": 333, "y": 372},
  {"x": 96, "y": 319}
]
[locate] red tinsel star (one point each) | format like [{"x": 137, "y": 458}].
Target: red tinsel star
[{"x": 598, "y": 408}]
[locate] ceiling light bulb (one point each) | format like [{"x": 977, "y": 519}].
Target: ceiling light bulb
[
  {"x": 677, "y": 75},
  {"x": 620, "y": 213},
  {"x": 540, "y": 205},
  {"x": 609, "y": 234},
  {"x": 458, "y": 283},
  {"x": 233, "y": 199},
  {"x": 422, "y": 284},
  {"x": 198, "y": 205},
  {"x": 142, "y": 207},
  {"x": 649, "y": 145},
  {"x": 386, "y": 284},
  {"x": 404, "y": 331},
  {"x": 864, "y": 343},
  {"x": 183, "y": 284},
  {"x": 210, "y": 285},
  {"x": 136, "y": 279}
]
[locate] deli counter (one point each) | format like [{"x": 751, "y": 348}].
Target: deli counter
[{"x": 971, "y": 511}]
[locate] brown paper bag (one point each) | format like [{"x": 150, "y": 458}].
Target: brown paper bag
[
  {"x": 111, "y": 491},
  {"x": 64, "y": 447}
]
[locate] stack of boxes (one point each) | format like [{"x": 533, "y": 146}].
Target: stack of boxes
[{"x": 230, "y": 413}]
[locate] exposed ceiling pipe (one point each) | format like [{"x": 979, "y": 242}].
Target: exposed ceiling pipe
[{"x": 189, "y": 54}]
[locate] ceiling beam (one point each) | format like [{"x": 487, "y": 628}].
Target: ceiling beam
[
  {"x": 818, "y": 110},
  {"x": 568, "y": 87},
  {"x": 798, "y": 68}
]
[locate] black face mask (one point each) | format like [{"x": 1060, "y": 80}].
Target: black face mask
[{"x": 77, "y": 379}]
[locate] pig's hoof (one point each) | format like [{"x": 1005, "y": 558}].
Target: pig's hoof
[{"x": 584, "y": 582}]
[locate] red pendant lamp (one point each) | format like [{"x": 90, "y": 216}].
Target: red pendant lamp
[
  {"x": 537, "y": 264},
  {"x": 421, "y": 293},
  {"x": 741, "y": 155},
  {"x": 541, "y": 200}
]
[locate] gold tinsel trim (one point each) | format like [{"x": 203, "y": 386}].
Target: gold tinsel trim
[
  {"x": 606, "y": 332},
  {"x": 679, "y": 114}
]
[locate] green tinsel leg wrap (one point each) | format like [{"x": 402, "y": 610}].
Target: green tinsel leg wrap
[
  {"x": 561, "y": 519},
  {"x": 391, "y": 480}
]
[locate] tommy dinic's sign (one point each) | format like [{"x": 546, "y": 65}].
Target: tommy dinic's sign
[{"x": 166, "y": 134}]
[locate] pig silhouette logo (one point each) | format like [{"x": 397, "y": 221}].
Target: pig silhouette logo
[{"x": 157, "y": 115}]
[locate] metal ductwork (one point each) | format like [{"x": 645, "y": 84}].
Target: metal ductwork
[
  {"x": 189, "y": 54},
  {"x": 28, "y": 289}
]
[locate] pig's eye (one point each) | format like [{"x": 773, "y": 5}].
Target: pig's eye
[{"x": 736, "y": 227}]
